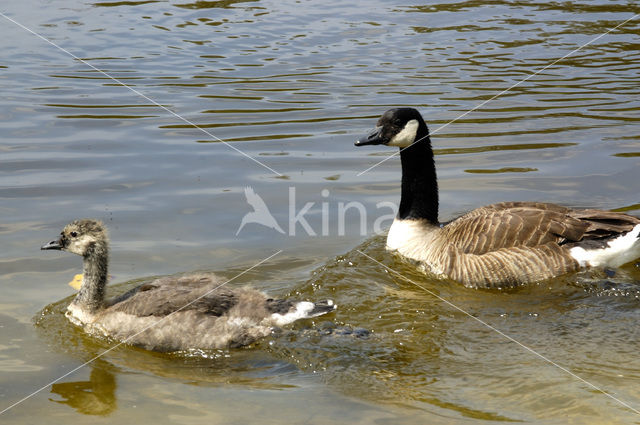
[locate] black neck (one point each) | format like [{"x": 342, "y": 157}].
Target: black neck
[
  {"x": 419, "y": 199},
  {"x": 95, "y": 270}
]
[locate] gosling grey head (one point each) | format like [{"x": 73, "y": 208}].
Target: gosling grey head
[{"x": 82, "y": 237}]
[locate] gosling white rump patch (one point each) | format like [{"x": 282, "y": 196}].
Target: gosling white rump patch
[
  {"x": 618, "y": 251},
  {"x": 407, "y": 136},
  {"x": 303, "y": 310}
]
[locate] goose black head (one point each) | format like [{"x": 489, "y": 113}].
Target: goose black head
[
  {"x": 80, "y": 237},
  {"x": 399, "y": 127}
]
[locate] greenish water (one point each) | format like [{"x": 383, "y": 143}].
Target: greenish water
[{"x": 292, "y": 85}]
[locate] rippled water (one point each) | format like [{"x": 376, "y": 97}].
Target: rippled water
[{"x": 291, "y": 85}]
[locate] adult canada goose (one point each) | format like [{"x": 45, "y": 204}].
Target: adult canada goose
[
  {"x": 170, "y": 313},
  {"x": 499, "y": 245}
]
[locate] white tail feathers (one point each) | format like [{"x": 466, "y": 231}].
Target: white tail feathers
[
  {"x": 303, "y": 310},
  {"x": 619, "y": 251}
]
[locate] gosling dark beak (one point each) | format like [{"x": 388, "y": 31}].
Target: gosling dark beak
[
  {"x": 57, "y": 244},
  {"x": 373, "y": 138}
]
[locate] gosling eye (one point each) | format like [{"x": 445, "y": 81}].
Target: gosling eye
[{"x": 73, "y": 234}]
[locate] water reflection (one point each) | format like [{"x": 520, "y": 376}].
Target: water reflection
[
  {"x": 203, "y": 4},
  {"x": 97, "y": 396}
]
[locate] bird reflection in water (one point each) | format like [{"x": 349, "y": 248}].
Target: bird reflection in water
[{"x": 93, "y": 397}]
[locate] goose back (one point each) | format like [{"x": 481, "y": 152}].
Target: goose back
[
  {"x": 169, "y": 294},
  {"x": 507, "y": 244},
  {"x": 503, "y": 244},
  {"x": 530, "y": 224}
]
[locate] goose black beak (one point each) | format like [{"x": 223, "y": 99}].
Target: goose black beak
[
  {"x": 57, "y": 245},
  {"x": 373, "y": 138}
]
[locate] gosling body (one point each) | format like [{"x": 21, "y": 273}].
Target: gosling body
[{"x": 171, "y": 313}]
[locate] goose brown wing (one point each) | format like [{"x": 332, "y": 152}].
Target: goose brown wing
[
  {"x": 604, "y": 224},
  {"x": 512, "y": 224},
  {"x": 166, "y": 295},
  {"x": 531, "y": 224},
  {"x": 508, "y": 244}
]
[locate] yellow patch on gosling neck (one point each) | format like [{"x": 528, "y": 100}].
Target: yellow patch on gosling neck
[{"x": 76, "y": 282}]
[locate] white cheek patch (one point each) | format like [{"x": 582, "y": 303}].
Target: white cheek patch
[
  {"x": 80, "y": 245},
  {"x": 407, "y": 136}
]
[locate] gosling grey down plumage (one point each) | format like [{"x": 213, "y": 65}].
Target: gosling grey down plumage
[
  {"x": 171, "y": 313},
  {"x": 499, "y": 245}
]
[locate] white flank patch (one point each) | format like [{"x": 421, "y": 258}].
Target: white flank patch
[
  {"x": 400, "y": 232},
  {"x": 620, "y": 250},
  {"x": 407, "y": 136},
  {"x": 303, "y": 308},
  {"x": 415, "y": 239},
  {"x": 408, "y": 235}
]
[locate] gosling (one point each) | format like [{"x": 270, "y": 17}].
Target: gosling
[{"x": 171, "y": 313}]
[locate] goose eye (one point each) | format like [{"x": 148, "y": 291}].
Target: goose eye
[{"x": 73, "y": 234}]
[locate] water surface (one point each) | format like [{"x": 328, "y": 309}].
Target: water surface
[{"x": 292, "y": 85}]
